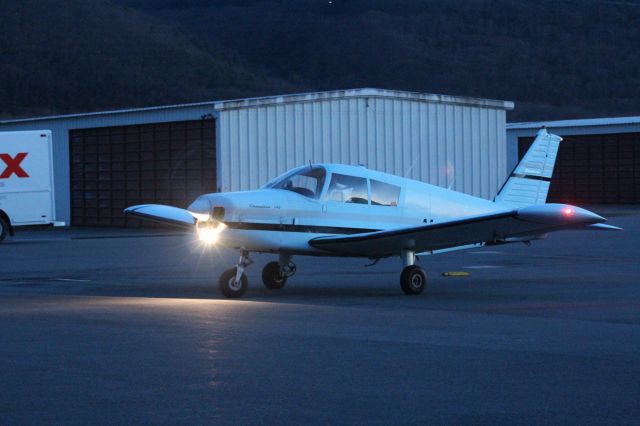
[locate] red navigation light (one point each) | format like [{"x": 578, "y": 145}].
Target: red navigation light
[{"x": 567, "y": 211}]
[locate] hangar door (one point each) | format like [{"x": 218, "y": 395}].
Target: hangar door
[
  {"x": 595, "y": 169},
  {"x": 116, "y": 167}
]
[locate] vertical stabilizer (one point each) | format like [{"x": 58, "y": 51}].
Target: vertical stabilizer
[{"x": 529, "y": 182}]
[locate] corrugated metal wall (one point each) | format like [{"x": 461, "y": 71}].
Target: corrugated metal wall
[
  {"x": 458, "y": 146},
  {"x": 449, "y": 141}
]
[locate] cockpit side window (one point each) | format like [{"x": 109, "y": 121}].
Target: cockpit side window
[
  {"x": 307, "y": 181},
  {"x": 384, "y": 194},
  {"x": 347, "y": 189}
]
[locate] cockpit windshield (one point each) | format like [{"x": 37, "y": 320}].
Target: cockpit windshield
[{"x": 307, "y": 181}]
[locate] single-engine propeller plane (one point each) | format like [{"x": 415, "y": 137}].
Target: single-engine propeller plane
[{"x": 351, "y": 211}]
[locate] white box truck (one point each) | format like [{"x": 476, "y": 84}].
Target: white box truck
[{"x": 26, "y": 180}]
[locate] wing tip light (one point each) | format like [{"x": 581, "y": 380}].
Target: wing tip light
[{"x": 559, "y": 214}]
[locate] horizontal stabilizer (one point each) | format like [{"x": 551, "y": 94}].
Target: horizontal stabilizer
[
  {"x": 163, "y": 214},
  {"x": 602, "y": 227}
]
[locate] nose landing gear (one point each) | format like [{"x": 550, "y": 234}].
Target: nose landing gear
[{"x": 233, "y": 282}]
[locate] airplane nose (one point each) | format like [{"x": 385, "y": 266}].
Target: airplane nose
[{"x": 200, "y": 208}]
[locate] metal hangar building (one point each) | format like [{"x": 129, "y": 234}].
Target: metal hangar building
[
  {"x": 106, "y": 161},
  {"x": 598, "y": 161}
]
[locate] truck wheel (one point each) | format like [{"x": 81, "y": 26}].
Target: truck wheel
[{"x": 4, "y": 228}]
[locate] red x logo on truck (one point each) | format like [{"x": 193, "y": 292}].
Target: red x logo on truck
[{"x": 13, "y": 165}]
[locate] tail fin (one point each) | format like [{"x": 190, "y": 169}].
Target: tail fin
[{"x": 529, "y": 182}]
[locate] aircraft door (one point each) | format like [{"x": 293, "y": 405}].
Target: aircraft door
[
  {"x": 417, "y": 206},
  {"x": 346, "y": 202}
]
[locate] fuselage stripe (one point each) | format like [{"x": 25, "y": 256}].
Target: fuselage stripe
[{"x": 313, "y": 229}]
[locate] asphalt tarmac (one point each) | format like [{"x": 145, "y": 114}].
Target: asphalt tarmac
[{"x": 123, "y": 326}]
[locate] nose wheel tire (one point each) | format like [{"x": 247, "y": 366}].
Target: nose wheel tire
[
  {"x": 413, "y": 280},
  {"x": 229, "y": 286},
  {"x": 272, "y": 276}
]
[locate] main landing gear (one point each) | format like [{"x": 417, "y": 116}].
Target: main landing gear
[
  {"x": 275, "y": 274},
  {"x": 233, "y": 282},
  {"x": 413, "y": 279}
]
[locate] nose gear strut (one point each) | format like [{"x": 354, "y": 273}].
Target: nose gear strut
[
  {"x": 243, "y": 263},
  {"x": 233, "y": 282}
]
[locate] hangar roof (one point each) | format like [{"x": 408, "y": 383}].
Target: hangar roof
[
  {"x": 299, "y": 97},
  {"x": 575, "y": 123}
]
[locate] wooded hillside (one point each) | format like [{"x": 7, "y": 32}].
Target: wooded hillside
[{"x": 556, "y": 59}]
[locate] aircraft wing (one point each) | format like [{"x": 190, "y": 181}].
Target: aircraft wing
[
  {"x": 164, "y": 214},
  {"x": 494, "y": 227}
]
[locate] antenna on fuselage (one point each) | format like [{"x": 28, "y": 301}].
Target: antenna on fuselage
[
  {"x": 407, "y": 172},
  {"x": 310, "y": 166}
]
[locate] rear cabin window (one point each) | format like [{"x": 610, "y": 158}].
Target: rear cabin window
[
  {"x": 348, "y": 189},
  {"x": 384, "y": 194}
]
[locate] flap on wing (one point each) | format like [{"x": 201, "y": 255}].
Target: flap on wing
[
  {"x": 490, "y": 227},
  {"x": 164, "y": 214}
]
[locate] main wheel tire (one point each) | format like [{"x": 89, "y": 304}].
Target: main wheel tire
[
  {"x": 413, "y": 280},
  {"x": 272, "y": 276},
  {"x": 4, "y": 229},
  {"x": 228, "y": 285}
]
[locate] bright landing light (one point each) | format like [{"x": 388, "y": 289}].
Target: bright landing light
[
  {"x": 209, "y": 233},
  {"x": 568, "y": 211}
]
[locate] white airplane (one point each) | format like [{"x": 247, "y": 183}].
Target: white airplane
[{"x": 351, "y": 211}]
